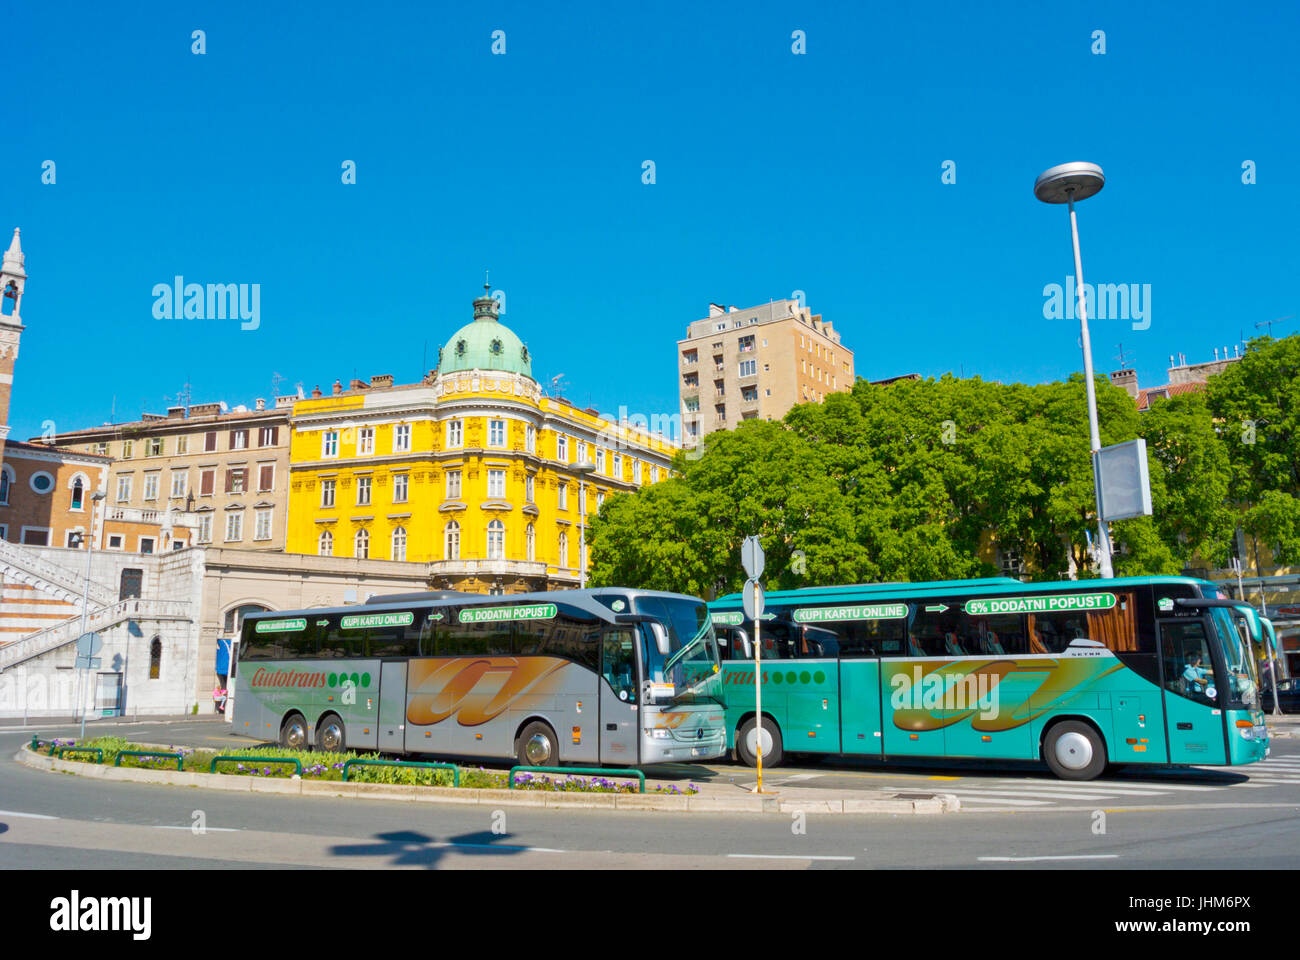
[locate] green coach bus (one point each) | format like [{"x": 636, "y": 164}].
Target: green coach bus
[
  {"x": 611, "y": 676},
  {"x": 1080, "y": 674}
]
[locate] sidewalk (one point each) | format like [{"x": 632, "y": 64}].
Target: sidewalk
[{"x": 10, "y": 724}]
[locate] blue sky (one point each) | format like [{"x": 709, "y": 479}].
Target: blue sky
[{"x": 774, "y": 172}]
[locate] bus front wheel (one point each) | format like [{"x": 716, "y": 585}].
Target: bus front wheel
[
  {"x": 293, "y": 735},
  {"x": 747, "y": 743},
  {"x": 538, "y": 746},
  {"x": 1074, "y": 751}
]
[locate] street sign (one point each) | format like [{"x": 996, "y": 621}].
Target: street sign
[
  {"x": 89, "y": 644},
  {"x": 753, "y": 600},
  {"x": 1123, "y": 483},
  {"x": 751, "y": 558}
]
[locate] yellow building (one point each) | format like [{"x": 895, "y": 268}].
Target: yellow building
[{"x": 473, "y": 471}]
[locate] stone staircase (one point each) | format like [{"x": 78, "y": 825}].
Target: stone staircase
[
  {"x": 21, "y": 566},
  {"x": 101, "y": 618},
  {"x": 25, "y": 609}
]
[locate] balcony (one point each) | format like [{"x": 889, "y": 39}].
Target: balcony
[{"x": 487, "y": 568}]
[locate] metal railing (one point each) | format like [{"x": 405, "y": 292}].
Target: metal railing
[
  {"x": 358, "y": 762},
  {"x": 254, "y": 761},
  {"x": 179, "y": 758},
  {"x": 590, "y": 771},
  {"x": 38, "y": 567}
]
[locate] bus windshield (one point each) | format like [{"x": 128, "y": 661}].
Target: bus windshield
[
  {"x": 691, "y": 665},
  {"x": 1243, "y": 688}
]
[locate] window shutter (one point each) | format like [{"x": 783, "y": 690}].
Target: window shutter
[
  {"x": 268, "y": 473},
  {"x": 210, "y": 441},
  {"x": 230, "y": 480},
  {"x": 206, "y": 482},
  {"x": 275, "y": 436}
]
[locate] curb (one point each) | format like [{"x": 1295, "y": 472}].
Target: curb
[{"x": 937, "y": 804}]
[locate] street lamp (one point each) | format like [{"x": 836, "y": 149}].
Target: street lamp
[
  {"x": 582, "y": 470},
  {"x": 1066, "y": 184},
  {"x": 89, "y": 538}
]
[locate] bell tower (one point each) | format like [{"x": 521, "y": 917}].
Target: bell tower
[{"x": 13, "y": 278}]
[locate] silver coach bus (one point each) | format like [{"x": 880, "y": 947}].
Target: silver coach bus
[{"x": 614, "y": 676}]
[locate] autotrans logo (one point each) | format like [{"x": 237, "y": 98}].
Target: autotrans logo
[
  {"x": 986, "y": 607},
  {"x": 266, "y": 679},
  {"x": 536, "y": 611},
  {"x": 282, "y": 626}
]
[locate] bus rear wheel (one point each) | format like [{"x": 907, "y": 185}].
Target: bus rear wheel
[
  {"x": 293, "y": 734},
  {"x": 747, "y": 743},
  {"x": 538, "y": 746},
  {"x": 329, "y": 735},
  {"x": 1074, "y": 751}
]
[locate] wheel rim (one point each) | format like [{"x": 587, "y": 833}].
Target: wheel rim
[
  {"x": 751, "y": 741},
  {"x": 1073, "y": 751},
  {"x": 295, "y": 735},
  {"x": 331, "y": 736},
  {"x": 538, "y": 749}
]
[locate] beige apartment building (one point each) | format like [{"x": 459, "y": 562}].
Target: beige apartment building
[
  {"x": 755, "y": 364},
  {"x": 229, "y": 469}
]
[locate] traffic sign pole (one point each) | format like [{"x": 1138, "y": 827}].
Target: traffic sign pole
[{"x": 758, "y": 700}]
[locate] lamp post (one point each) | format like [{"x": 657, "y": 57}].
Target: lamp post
[
  {"x": 582, "y": 470},
  {"x": 89, "y": 538},
  {"x": 1066, "y": 184}
]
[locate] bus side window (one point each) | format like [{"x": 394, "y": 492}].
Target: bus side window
[
  {"x": 1189, "y": 670},
  {"x": 618, "y": 665}
]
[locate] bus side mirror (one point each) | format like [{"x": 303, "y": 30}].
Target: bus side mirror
[
  {"x": 662, "y": 641},
  {"x": 745, "y": 645}
]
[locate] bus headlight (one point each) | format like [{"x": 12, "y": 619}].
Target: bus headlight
[{"x": 659, "y": 734}]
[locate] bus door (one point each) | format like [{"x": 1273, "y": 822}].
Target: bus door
[
  {"x": 392, "y": 706},
  {"x": 811, "y": 680},
  {"x": 1192, "y": 692},
  {"x": 618, "y": 713}
]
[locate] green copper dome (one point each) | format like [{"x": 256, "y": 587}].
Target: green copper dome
[{"x": 485, "y": 344}]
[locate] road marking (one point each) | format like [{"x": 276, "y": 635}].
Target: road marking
[
  {"x": 1090, "y": 788},
  {"x": 1050, "y": 795},
  {"x": 1002, "y": 801},
  {"x": 781, "y": 856},
  {"x": 1080, "y": 856},
  {"x": 162, "y": 826},
  {"x": 29, "y": 816}
]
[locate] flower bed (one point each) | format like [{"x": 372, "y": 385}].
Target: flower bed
[{"x": 318, "y": 766}]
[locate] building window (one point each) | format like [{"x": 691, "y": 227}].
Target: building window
[
  {"x": 101, "y": 448},
  {"x": 453, "y": 484},
  {"x": 155, "y": 658},
  {"x": 496, "y": 540},
  {"x": 618, "y": 466},
  {"x": 41, "y": 482},
  {"x": 263, "y": 529},
  {"x": 600, "y": 499},
  {"x": 399, "y": 543},
  {"x": 528, "y": 490},
  {"x": 402, "y": 438},
  {"x": 562, "y": 497},
  {"x": 530, "y": 438},
  {"x": 234, "y": 526},
  {"x": 180, "y": 482},
  {"x": 238, "y": 439},
  {"x": 399, "y": 487},
  {"x": 123, "y": 489},
  {"x": 363, "y": 491},
  {"x": 151, "y": 486},
  {"x": 268, "y": 436},
  {"x": 146, "y": 544},
  {"x": 562, "y": 448},
  {"x": 654, "y": 473},
  {"x": 236, "y": 479},
  {"x": 496, "y": 483},
  {"x": 329, "y": 444},
  {"x": 365, "y": 441},
  {"x": 362, "y": 544},
  {"x": 563, "y": 549},
  {"x": 455, "y": 433},
  {"x": 636, "y": 471},
  {"x": 749, "y": 368},
  {"x": 78, "y": 494},
  {"x": 265, "y": 477},
  {"x": 600, "y": 459},
  {"x": 327, "y": 493},
  {"x": 325, "y": 544},
  {"x": 154, "y": 447},
  {"x": 451, "y": 541},
  {"x": 582, "y": 452},
  {"x": 496, "y": 433},
  {"x": 747, "y": 344},
  {"x": 207, "y": 482},
  {"x": 531, "y": 540},
  {"x": 128, "y": 449},
  {"x": 210, "y": 441},
  {"x": 205, "y": 528},
  {"x": 692, "y": 404}
]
